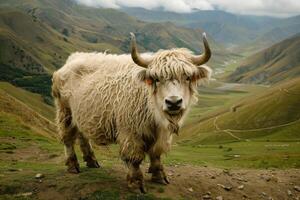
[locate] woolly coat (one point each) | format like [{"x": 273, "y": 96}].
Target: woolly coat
[{"x": 108, "y": 104}]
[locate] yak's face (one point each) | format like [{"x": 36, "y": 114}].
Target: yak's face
[
  {"x": 172, "y": 96},
  {"x": 172, "y": 84}
]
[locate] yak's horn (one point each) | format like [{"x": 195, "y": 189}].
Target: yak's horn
[
  {"x": 203, "y": 58},
  {"x": 135, "y": 54}
]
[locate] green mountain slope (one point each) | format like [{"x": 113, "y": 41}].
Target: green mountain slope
[
  {"x": 31, "y": 100},
  {"x": 277, "y": 63},
  {"x": 26, "y": 110},
  {"x": 272, "y": 114},
  {"x": 38, "y": 35}
]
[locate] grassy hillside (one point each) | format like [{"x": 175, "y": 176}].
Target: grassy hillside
[
  {"x": 38, "y": 35},
  {"x": 277, "y": 63},
  {"x": 256, "y": 129},
  {"x": 32, "y": 100},
  {"x": 27, "y": 109},
  {"x": 264, "y": 114}
]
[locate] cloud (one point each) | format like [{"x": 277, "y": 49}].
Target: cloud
[
  {"x": 280, "y": 8},
  {"x": 180, "y": 6}
]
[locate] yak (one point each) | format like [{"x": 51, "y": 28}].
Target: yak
[{"x": 138, "y": 101}]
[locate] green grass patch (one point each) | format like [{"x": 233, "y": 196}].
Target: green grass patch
[
  {"x": 22, "y": 135},
  {"x": 106, "y": 194},
  {"x": 34, "y": 101},
  {"x": 252, "y": 154}
]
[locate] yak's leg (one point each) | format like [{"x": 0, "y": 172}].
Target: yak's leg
[
  {"x": 71, "y": 161},
  {"x": 157, "y": 169},
  {"x": 88, "y": 153},
  {"x": 68, "y": 135},
  {"x": 135, "y": 178},
  {"x": 132, "y": 153}
]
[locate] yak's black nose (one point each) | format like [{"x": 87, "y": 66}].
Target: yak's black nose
[{"x": 173, "y": 103}]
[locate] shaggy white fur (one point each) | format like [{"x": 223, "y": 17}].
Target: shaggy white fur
[{"x": 106, "y": 101}]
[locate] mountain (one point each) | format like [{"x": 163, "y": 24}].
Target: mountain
[
  {"x": 25, "y": 112},
  {"x": 282, "y": 29},
  {"x": 277, "y": 63},
  {"x": 227, "y": 28},
  {"x": 38, "y": 35},
  {"x": 271, "y": 114}
]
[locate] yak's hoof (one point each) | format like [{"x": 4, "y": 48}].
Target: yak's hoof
[
  {"x": 73, "y": 170},
  {"x": 160, "y": 177},
  {"x": 164, "y": 181},
  {"x": 136, "y": 182},
  {"x": 142, "y": 189},
  {"x": 73, "y": 165},
  {"x": 92, "y": 164}
]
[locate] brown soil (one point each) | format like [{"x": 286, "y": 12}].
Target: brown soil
[{"x": 186, "y": 181}]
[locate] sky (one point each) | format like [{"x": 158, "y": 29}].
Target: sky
[{"x": 276, "y": 8}]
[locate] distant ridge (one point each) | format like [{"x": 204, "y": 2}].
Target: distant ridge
[{"x": 277, "y": 63}]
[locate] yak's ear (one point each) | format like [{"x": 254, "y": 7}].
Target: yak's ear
[
  {"x": 143, "y": 76},
  {"x": 204, "y": 72},
  {"x": 140, "y": 75}
]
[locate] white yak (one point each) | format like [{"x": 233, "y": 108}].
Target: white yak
[{"x": 138, "y": 101}]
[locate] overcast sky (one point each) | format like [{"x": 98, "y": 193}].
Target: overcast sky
[{"x": 279, "y": 8}]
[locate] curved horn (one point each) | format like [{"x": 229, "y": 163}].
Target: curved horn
[
  {"x": 135, "y": 54},
  {"x": 203, "y": 58}
]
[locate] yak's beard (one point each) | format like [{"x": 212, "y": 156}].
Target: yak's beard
[{"x": 173, "y": 120}]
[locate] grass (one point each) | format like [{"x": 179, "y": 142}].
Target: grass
[
  {"x": 213, "y": 101},
  {"x": 199, "y": 141},
  {"x": 34, "y": 101},
  {"x": 253, "y": 154},
  {"x": 12, "y": 128},
  {"x": 266, "y": 107}
]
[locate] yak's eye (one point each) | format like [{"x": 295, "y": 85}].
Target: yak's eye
[
  {"x": 156, "y": 80},
  {"x": 188, "y": 78}
]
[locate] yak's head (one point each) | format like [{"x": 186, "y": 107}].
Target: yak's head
[{"x": 172, "y": 77}]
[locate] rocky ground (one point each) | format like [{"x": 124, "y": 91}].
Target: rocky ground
[
  {"x": 33, "y": 168},
  {"x": 187, "y": 182}
]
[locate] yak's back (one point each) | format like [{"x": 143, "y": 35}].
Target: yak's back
[{"x": 80, "y": 65}]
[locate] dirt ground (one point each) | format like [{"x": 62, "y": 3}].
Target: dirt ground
[
  {"x": 192, "y": 182},
  {"x": 186, "y": 181},
  {"x": 209, "y": 183}
]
